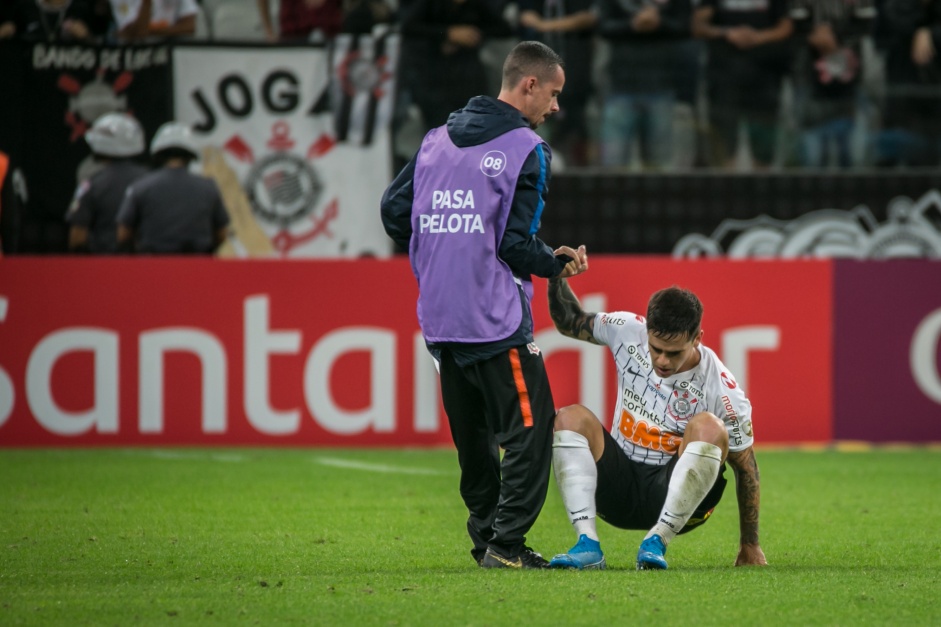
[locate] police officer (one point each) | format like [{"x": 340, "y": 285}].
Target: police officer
[
  {"x": 467, "y": 208},
  {"x": 171, "y": 210},
  {"x": 115, "y": 140}
]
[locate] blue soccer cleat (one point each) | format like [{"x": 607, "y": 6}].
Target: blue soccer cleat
[
  {"x": 650, "y": 554},
  {"x": 585, "y": 555}
]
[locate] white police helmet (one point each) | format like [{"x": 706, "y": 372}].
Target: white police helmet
[
  {"x": 116, "y": 135},
  {"x": 174, "y": 135}
]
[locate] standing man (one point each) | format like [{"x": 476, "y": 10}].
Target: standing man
[
  {"x": 679, "y": 416},
  {"x": 116, "y": 139},
  {"x": 172, "y": 211},
  {"x": 443, "y": 40},
  {"x": 468, "y": 206},
  {"x": 748, "y": 56},
  {"x": 648, "y": 55},
  {"x": 908, "y": 35},
  {"x": 829, "y": 91},
  {"x": 568, "y": 27}
]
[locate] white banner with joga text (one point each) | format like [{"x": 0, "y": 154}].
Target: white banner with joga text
[{"x": 298, "y": 139}]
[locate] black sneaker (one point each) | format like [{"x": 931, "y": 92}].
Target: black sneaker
[
  {"x": 492, "y": 559},
  {"x": 531, "y": 559},
  {"x": 527, "y": 559}
]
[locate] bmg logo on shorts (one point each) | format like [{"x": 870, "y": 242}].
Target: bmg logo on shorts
[{"x": 493, "y": 163}]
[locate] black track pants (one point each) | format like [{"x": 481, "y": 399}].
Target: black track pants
[{"x": 502, "y": 402}]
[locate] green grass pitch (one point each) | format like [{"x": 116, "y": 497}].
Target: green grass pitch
[{"x": 376, "y": 537}]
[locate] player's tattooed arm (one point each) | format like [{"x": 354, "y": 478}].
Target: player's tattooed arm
[
  {"x": 746, "y": 488},
  {"x": 567, "y": 313}
]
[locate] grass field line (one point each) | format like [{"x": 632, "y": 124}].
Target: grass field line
[
  {"x": 336, "y": 462},
  {"x": 180, "y": 454},
  {"x": 383, "y": 468}
]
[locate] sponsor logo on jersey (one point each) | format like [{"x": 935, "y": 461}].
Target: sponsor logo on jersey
[
  {"x": 729, "y": 409},
  {"x": 634, "y": 403},
  {"x": 728, "y": 381},
  {"x": 688, "y": 386},
  {"x": 648, "y": 436},
  {"x": 655, "y": 388},
  {"x": 638, "y": 355},
  {"x": 605, "y": 319},
  {"x": 746, "y": 427},
  {"x": 735, "y": 433}
]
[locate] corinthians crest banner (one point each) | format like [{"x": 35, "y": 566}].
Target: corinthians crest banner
[{"x": 298, "y": 139}]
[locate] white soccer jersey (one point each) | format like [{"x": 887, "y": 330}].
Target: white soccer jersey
[{"x": 652, "y": 412}]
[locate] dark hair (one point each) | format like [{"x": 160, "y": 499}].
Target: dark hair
[
  {"x": 674, "y": 312},
  {"x": 530, "y": 58}
]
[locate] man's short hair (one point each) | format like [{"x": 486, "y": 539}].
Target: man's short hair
[
  {"x": 674, "y": 312},
  {"x": 530, "y": 58}
]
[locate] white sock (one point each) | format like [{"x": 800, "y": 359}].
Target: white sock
[
  {"x": 577, "y": 477},
  {"x": 692, "y": 479}
]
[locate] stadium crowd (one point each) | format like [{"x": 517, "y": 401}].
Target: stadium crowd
[{"x": 653, "y": 85}]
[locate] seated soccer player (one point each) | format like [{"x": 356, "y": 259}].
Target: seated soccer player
[{"x": 680, "y": 415}]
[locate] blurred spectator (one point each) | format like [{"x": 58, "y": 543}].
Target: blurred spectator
[
  {"x": 909, "y": 31},
  {"x": 360, "y": 17},
  {"x": 441, "y": 64},
  {"x": 687, "y": 80},
  {"x": 828, "y": 79},
  {"x": 171, "y": 210},
  {"x": 102, "y": 22},
  {"x": 748, "y": 56},
  {"x": 115, "y": 139},
  {"x": 566, "y": 26},
  {"x": 141, "y": 20},
  {"x": 54, "y": 20},
  {"x": 302, "y": 20},
  {"x": 646, "y": 60}
]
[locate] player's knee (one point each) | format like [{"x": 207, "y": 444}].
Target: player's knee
[
  {"x": 706, "y": 427},
  {"x": 576, "y": 418}
]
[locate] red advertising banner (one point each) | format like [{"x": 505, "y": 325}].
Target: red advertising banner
[
  {"x": 887, "y": 351},
  {"x": 134, "y": 351},
  {"x": 763, "y": 319}
]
